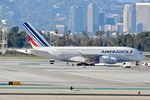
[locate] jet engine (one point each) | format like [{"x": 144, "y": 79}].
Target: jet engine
[
  {"x": 78, "y": 59},
  {"x": 107, "y": 59}
]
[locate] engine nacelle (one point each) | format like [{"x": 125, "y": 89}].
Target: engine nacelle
[
  {"x": 107, "y": 59},
  {"x": 78, "y": 59}
]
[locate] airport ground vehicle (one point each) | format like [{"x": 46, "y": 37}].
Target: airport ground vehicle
[
  {"x": 146, "y": 64},
  {"x": 127, "y": 65}
]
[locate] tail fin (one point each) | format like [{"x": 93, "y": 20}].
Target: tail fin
[{"x": 35, "y": 38}]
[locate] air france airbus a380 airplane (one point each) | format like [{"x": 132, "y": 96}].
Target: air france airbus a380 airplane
[{"x": 106, "y": 54}]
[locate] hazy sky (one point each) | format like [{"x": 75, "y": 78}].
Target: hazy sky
[
  {"x": 133, "y": 0},
  {"x": 127, "y": 0}
]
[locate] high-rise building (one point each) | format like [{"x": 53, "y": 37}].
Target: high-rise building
[
  {"x": 61, "y": 28},
  {"x": 110, "y": 21},
  {"x": 143, "y": 16},
  {"x": 92, "y": 18},
  {"x": 77, "y": 19},
  {"x": 117, "y": 18},
  {"x": 119, "y": 27},
  {"x": 109, "y": 28},
  {"x": 101, "y": 21},
  {"x": 129, "y": 18}
]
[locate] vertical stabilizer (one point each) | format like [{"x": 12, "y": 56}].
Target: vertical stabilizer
[{"x": 35, "y": 38}]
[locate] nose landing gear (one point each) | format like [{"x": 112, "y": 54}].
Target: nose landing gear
[{"x": 137, "y": 63}]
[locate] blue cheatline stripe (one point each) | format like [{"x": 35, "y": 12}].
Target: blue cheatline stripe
[
  {"x": 35, "y": 34},
  {"x": 32, "y": 36},
  {"x": 38, "y": 35}
]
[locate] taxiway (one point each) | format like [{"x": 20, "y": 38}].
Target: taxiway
[{"x": 38, "y": 77}]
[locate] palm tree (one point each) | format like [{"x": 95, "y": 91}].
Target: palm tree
[{"x": 99, "y": 34}]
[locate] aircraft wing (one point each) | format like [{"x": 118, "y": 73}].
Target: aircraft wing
[
  {"x": 34, "y": 52},
  {"x": 43, "y": 53}
]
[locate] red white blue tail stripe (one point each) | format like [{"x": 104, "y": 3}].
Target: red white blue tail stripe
[{"x": 35, "y": 37}]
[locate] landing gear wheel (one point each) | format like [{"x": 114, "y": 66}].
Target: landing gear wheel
[
  {"x": 137, "y": 63},
  {"x": 146, "y": 64}
]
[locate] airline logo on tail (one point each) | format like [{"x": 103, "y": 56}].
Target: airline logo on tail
[{"x": 36, "y": 39}]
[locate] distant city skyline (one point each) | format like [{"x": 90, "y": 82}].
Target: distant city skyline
[
  {"x": 53, "y": 14},
  {"x": 130, "y": 21}
]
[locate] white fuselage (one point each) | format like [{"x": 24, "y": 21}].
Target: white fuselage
[
  {"x": 65, "y": 53},
  {"x": 107, "y": 54}
]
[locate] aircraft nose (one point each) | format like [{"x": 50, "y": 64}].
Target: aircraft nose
[
  {"x": 143, "y": 56},
  {"x": 139, "y": 55}
]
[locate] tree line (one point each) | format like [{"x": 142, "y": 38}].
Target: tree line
[{"x": 141, "y": 41}]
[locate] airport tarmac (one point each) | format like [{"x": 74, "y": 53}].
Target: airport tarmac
[{"x": 39, "y": 78}]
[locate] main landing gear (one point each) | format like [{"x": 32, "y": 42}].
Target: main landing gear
[
  {"x": 137, "y": 63},
  {"x": 51, "y": 61}
]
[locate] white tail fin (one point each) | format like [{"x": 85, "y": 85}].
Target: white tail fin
[{"x": 35, "y": 38}]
